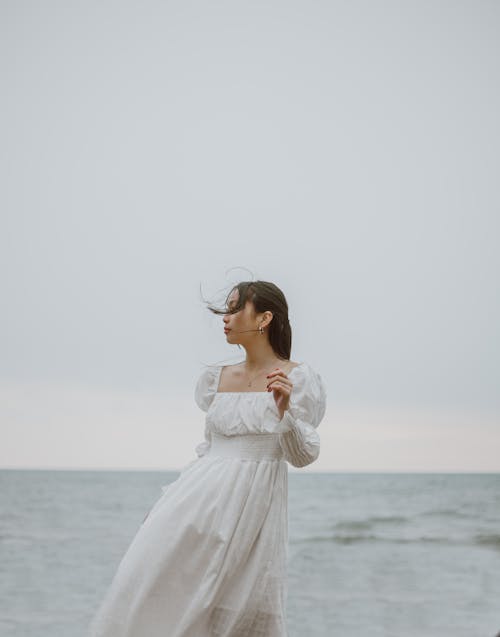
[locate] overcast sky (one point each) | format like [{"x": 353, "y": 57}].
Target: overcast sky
[{"x": 152, "y": 152}]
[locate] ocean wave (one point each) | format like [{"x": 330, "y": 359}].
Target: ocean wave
[
  {"x": 488, "y": 539},
  {"x": 353, "y": 538},
  {"x": 444, "y": 513},
  {"x": 370, "y": 521}
]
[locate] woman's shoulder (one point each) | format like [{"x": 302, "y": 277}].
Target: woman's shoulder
[
  {"x": 308, "y": 397},
  {"x": 302, "y": 369},
  {"x": 206, "y": 385},
  {"x": 304, "y": 374}
]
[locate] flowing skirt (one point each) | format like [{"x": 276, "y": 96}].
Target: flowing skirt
[{"x": 210, "y": 558}]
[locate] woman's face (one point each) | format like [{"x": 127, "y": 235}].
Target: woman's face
[{"x": 243, "y": 324}]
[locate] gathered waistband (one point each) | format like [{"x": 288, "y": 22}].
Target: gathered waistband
[{"x": 247, "y": 446}]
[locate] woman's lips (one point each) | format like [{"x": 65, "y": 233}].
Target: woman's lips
[{"x": 226, "y": 330}]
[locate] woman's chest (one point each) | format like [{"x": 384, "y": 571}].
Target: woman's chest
[{"x": 241, "y": 412}]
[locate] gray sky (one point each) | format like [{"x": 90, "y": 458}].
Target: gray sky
[{"x": 347, "y": 152}]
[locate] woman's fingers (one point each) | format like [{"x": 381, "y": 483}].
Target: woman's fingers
[
  {"x": 279, "y": 381},
  {"x": 278, "y": 373},
  {"x": 277, "y": 384}
]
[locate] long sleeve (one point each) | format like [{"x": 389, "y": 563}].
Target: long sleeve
[
  {"x": 204, "y": 393},
  {"x": 301, "y": 442}
]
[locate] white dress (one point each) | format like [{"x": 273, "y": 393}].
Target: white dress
[{"x": 210, "y": 558}]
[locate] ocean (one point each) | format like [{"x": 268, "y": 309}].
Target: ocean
[{"x": 389, "y": 555}]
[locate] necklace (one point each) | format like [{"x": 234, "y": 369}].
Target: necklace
[{"x": 252, "y": 379}]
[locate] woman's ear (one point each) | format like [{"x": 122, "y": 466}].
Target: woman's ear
[{"x": 268, "y": 317}]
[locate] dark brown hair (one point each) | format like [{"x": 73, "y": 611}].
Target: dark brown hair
[{"x": 265, "y": 296}]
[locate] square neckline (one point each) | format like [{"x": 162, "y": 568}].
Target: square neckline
[{"x": 246, "y": 392}]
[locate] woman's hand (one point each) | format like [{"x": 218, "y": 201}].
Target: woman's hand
[{"x": 281, "y": 388}]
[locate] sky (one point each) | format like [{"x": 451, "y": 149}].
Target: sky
[{"x": 154, "y": 154}]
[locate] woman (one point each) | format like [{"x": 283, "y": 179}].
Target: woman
[{"x": 210, "y": 558}]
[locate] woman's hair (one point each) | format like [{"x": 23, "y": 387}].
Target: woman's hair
[{"x": 265, "y": 296}]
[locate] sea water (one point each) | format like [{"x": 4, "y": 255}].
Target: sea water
[{"x": 389, "y": 555}]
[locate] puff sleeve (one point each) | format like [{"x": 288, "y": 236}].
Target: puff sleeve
[
  {"x": 301, "y": 442},
  {"x": 204, "y": 393}
]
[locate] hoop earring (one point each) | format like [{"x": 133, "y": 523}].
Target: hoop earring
[{"x": 261, "y": 330}]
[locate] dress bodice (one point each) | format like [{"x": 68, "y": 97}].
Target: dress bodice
[{"x": 239, "y": 413}]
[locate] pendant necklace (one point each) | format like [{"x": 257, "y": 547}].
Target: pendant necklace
[{"x": 252, "y": 379}]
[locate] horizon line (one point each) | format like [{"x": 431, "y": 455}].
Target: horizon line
[{"x": 291, "y": 470}]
